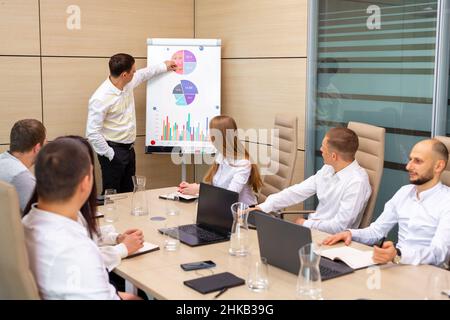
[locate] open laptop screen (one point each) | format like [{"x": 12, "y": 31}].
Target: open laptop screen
[
  {"x": 214, "y": 208},
  {"x": 279, "y": 241}
]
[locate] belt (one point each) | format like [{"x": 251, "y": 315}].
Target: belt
[{"x": 128, "y": 146}]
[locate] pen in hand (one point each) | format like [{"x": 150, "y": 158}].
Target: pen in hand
[
  {"x": 220, "y": 293},
  {"x": 381, "y": 242}
]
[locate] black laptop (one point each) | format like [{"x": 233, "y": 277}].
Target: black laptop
[
  {"x": 214, "y": 217},
  {"x": 280, "y": 241}
]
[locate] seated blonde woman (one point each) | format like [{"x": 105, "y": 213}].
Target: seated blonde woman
[{"x": 232, "y": 168}]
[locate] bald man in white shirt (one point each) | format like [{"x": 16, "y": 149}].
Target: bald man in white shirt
[
  {"x": 421, "y": 210},
  {"x": 341, "y": 186}
]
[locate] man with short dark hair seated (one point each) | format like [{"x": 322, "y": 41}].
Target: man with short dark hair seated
[
  {"x": 66, "y": 262},
  {"x": 341, "y": 186},
  {"x": 26, "y": 139},
  {"x": 421, "y": 210}
]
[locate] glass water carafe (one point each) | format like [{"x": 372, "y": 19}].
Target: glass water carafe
[
  {"x": 239, "y": 240},
  {"x": 139, "y": 205},
  {"x": 309, "y": 282}
]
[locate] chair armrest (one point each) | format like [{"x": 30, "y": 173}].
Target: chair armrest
[
  {"x": 303, "y": 212},
  {"x": 298, "y": 212}
]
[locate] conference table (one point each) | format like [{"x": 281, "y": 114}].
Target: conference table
[{"x": 159, "y": 274}]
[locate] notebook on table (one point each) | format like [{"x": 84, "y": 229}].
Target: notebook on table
[
  {"x": 214, "y": 282},
  {"x": 148, "y": 247},
  {"x": 354, "y": 258},
  {"x": 178, "y": 196}
]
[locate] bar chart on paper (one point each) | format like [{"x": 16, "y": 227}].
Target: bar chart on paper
[
  {"x": 182, "y": 130},
  {"x": 180, "y": 104},
  {"x": 172, "y": 131}
]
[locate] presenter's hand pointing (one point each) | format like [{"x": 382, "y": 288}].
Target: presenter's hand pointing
[{"x": 171, "y": 65}]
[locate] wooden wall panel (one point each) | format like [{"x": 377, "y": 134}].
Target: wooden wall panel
[
  {"x": 4, "y": 147},
  {"x": 68, "y": 83},
  {"x": 254, "y": 90},
  {"x": 254, "y": 28},
  {"x": 66, "y": 102},
  {"x": 200, "y": 172},
  {"x": 19, "y": 27},
  {"x": 111, "y": 26},
  {"x": 20, "y": 92}
]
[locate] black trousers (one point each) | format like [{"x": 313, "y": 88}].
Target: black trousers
[
  {"x": 117, "y": 174},
  {"x": 119, "y": 283}
]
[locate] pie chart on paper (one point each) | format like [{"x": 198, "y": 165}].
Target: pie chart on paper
[
  {"x": 185, "y": 61},
  {"x": 184, "y": 93}
]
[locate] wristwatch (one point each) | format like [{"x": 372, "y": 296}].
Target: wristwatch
[{"x": 397, "y": 257}]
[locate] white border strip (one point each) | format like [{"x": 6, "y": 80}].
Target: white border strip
[{"x": 184, "y": 42}]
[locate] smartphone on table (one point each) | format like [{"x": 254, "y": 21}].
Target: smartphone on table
[{"x": 197, "y": 265}]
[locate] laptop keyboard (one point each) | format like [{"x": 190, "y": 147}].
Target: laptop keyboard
[
  {"x": 327, "y": 273},
  {"x": 200, "y": 233}
]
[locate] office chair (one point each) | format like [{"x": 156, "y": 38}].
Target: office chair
[
  {"x": 370, "y": 156},
  {"x": 285, "y": 155},
  {"x": 445, "y": 177},
  {"x": 16, "y": 280}
]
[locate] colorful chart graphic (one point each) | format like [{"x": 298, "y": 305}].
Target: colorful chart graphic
[
  {"x": 185, "y": 61},
  {"x": 185, "y": 93},
  {"x": 180, "y": 104},
  {"x": 186, "y": 132}
]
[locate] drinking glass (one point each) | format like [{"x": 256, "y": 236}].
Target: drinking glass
[
  {"x": 258, "y": 274},
  {"x": 111, "y": 213}
]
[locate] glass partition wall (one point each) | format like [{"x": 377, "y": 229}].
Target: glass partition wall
[{"x": 375, "y": 62}]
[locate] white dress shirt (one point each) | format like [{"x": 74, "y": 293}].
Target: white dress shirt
[
  {"x": 112, "y": 114},
  {"x": 342, "y": 197},
  {"x": 14, "y": 172},
  {"x": 233, "y": 175},
  {"x": 65, "y": 262},
  {"x": 112, "y": 253},
  {"x": 424, "y": 225}
]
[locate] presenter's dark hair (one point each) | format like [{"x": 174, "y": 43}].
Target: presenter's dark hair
[
  {"x": 25, "y": 134},
  {"x": 119, "y": 63}
]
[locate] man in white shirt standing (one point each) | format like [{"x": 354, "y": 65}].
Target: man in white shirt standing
[
  {"x": 421, "y": 210},
  {"x": 26, "y": 140},
  {"x": 65, "y": 261},
  {"x": 341, "y": 186},
  {"x": 111, "y": 122}
]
